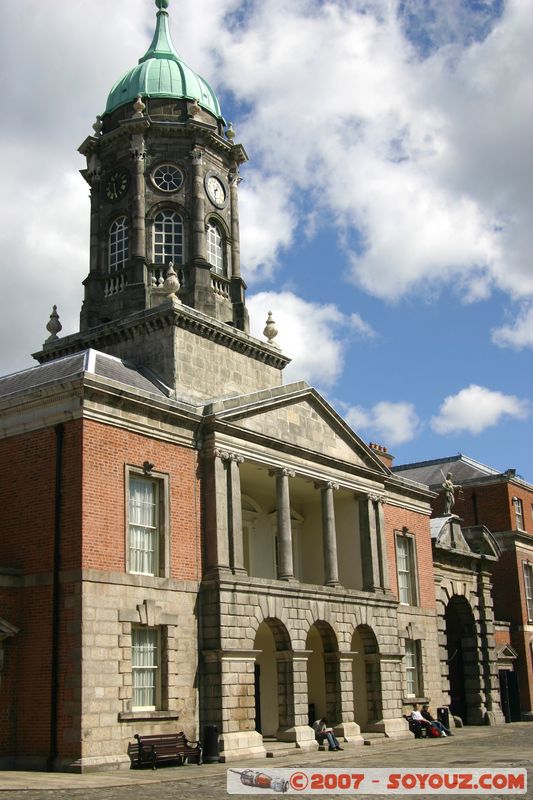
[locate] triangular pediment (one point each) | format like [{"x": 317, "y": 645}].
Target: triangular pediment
[{"x": 299, "y": 417}]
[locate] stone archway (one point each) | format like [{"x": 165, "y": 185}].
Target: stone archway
[
  {"x": 368, "y": 707},
  {"x": 463, "y": 661},
  {"x": 323, "y": 675},
  {"x": 274, "y": 683}
]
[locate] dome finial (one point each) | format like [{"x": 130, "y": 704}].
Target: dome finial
[{"x": 162, "y": 4}]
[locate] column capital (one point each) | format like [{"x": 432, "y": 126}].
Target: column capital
[
  {"x": 327, "y": 485},
  {"x": 377, "y": 498},
  {"x": 282, "y": 472},
  {"x": 226, "y": 455}
]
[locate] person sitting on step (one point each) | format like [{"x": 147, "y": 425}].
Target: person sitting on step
[{"x": 324, "y": 732}]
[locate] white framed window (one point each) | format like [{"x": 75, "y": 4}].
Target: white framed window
[
  {"x": 406, "y": 569},
  {"x": 167, "y": 177},
  {"x": 146, "y": 667},
  {"x": 412, "y": 668},
  {"x": 168, "y": 237},
  {"x": 518, "y": 513},
  {"x": 147, "y": 544},
  {"x": 119, "y": 245},
  {"x": 215, "y": 248},
  {"x": 528, "y": 585}
]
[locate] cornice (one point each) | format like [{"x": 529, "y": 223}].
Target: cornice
[{"x": 156, "y": 319}]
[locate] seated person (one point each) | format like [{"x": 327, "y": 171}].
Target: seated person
[
  {"x": 417, "y": 717},
  {"x": 323, "y": 731},
  {"x": 435, "y": 722}
]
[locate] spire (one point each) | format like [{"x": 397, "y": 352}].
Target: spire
[{"x": 162, "y": 45}]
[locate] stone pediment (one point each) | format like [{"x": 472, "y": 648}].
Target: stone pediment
[
  {"x": 477, "y": 540},
  {"x": 298, "y": 416}
]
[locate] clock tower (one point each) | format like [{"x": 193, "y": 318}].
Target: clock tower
[{"x": 163, "y": 169}]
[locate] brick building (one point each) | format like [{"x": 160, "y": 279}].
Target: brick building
[
  {"x": 503, "y": 503},
  {"x": 201, "y": 544}
]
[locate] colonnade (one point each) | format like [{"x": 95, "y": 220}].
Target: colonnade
[{"x": 224, "y": 524}]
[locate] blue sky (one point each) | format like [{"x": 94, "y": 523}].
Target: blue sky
[{"x": 385, "y": 212}]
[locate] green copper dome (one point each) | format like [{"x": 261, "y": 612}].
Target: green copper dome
[{"x": 162, "y": 73}]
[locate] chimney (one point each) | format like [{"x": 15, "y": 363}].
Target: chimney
[{"x": 382, "y": 453}]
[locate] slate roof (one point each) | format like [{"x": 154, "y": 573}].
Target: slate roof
[
  {"x": 90, "y": 362},
  {"x": 430, "y": 472}
]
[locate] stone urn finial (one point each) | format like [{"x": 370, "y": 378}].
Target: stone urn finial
[
  {"x": 270, "y": 330},
  {"x": 171, "y": 285},
  {"x": 230, "y": 133},
  {"x": 98, "y": 125},
  {"x": 53, "y": 326},
  {"x": 139, "y": 107}
]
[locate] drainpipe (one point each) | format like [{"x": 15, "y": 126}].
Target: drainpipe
[{"x": 56, "y": 597}]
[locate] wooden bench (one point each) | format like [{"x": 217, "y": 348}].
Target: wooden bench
[
  {"x": 164, "y": 748},
  {"x": 419, "y": 731}
]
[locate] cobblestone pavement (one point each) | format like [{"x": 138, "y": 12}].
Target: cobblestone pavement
[{"x": 502, "y": 747}]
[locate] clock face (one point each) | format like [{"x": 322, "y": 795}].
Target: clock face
[
  {"x": 216, "y": 191},
  {"x": 117, "y": 185}
]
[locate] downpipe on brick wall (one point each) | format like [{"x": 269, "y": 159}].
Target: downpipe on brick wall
[{"x": 56, "y": 599}]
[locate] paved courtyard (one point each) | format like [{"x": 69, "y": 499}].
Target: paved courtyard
[{"x": 496, "y": 748}]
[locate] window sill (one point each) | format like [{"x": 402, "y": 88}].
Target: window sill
[{"x": 135, "y": 716}]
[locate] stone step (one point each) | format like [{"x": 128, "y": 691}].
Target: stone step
[
  {"x": 375, "y": 738},
  {"x": 275, "y": 749}
]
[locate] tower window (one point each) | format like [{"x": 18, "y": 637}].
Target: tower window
[
  {"x": 119, "y": 245},
  {"x": 167, "y": 178},
  {"x": 215, "y": 250},
  {"x": 168, "y": 238}
]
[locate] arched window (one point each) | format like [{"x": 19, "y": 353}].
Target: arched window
[
  {"x": 215, "y": 249},
  {"x": 119, "y": 245},
  {"x": 168, "y": 237}
]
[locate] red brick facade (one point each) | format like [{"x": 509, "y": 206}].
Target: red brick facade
[
  {"x": 396, "y": 520},
  {"x": 94, "y": 457}
]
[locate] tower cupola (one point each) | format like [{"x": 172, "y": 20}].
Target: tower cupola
[
  {"x": 163, "y": 168},
  {"x": 162, "y": 73}
]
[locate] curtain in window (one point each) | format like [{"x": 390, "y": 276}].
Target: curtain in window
[
  {"x": 143, "y": 526},
  {"x": 144, "y": 664},
  {"x": 404, "y": 576}
]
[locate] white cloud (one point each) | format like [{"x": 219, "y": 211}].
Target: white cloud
[
  {"x": 389, "y": 423},
  {"x": 425, "y": 159},
  {"x": 519, "y": 333},
  {"x": 314, "y": 336},
  {"x": 476, "y": 408},
  {"x": 266, "y": 223}
]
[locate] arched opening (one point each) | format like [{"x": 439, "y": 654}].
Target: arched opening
[
  {"x": 366, "y": 675},
  {"x": 462, "y": 658},
  {"x": 274, "y": 692},
  {"x": 323, "y": 678}
]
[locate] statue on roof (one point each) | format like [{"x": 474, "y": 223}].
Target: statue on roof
[{"x": 449, "y": 493}]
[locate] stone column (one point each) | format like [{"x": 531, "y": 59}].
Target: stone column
[
  {"x": 198, "y": 244},
  {"x": 329, "y": 533},
  {"x": 138, "y": 246},
  {"x": 216, "y": 511},
  {"x": 236, "y": 701},
  {"x": 386, "y": 675},
  {"x": 293, "y": 699},
  {"x": 285, "y": 561},
  {"x": 346, "y": 727},
  {"x": 379, "y": 502},
  {"x": 369, "y": 544},
  {"x": 487, "y": 649},
  {"x": 235, "y": 513},
  {"x": 235, "y": 179}
]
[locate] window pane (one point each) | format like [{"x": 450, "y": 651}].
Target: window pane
[
  {"x": 404, "y": 569},
  {"x": 215, "y": 253},
  {"x": 168, "y": 238},
  {"x": 118, "y": 251},
  {"x": 143, "y": 525},
  {"x": 528, "y": 582},
  {"x": 145, "y": 663}
]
